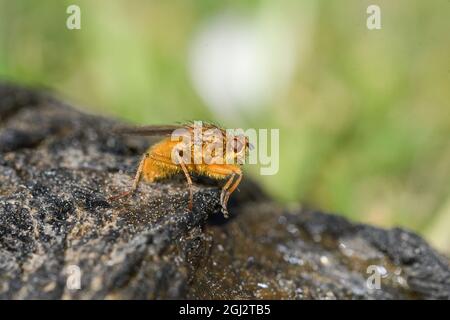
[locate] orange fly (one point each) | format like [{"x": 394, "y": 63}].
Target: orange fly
[{"x": 186, "y": 152}]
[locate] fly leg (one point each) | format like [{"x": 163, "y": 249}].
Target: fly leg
[
  {"x": 225, "y": 172},
  {"x": 229, "y": 191},
  {"x": 226, "y": 186},
  {"x": 137, "y": 178},
  {"x": 189, "y": 181}
]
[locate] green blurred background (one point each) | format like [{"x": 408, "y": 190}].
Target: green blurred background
[{"x": 364, "y": 115}]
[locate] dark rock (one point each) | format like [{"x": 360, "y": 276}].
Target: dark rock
[{"x": 57, "y": 169}]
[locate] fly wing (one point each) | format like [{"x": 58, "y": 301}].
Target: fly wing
[{"x": 156, "y": 130}]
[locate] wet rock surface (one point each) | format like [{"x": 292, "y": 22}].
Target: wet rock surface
[{"x": 57, "y": 168}]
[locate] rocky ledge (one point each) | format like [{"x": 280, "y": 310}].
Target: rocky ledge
[{"x": 60, "y": 238}]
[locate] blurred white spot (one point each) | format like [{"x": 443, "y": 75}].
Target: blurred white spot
[
  {"x": 237, "y": 66},
  {"x": 324, "y": 260},
  {"x": 263, "y": 285},
  {"x": 292, "y": 229},
  {"x": 382, "y": 271}
]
